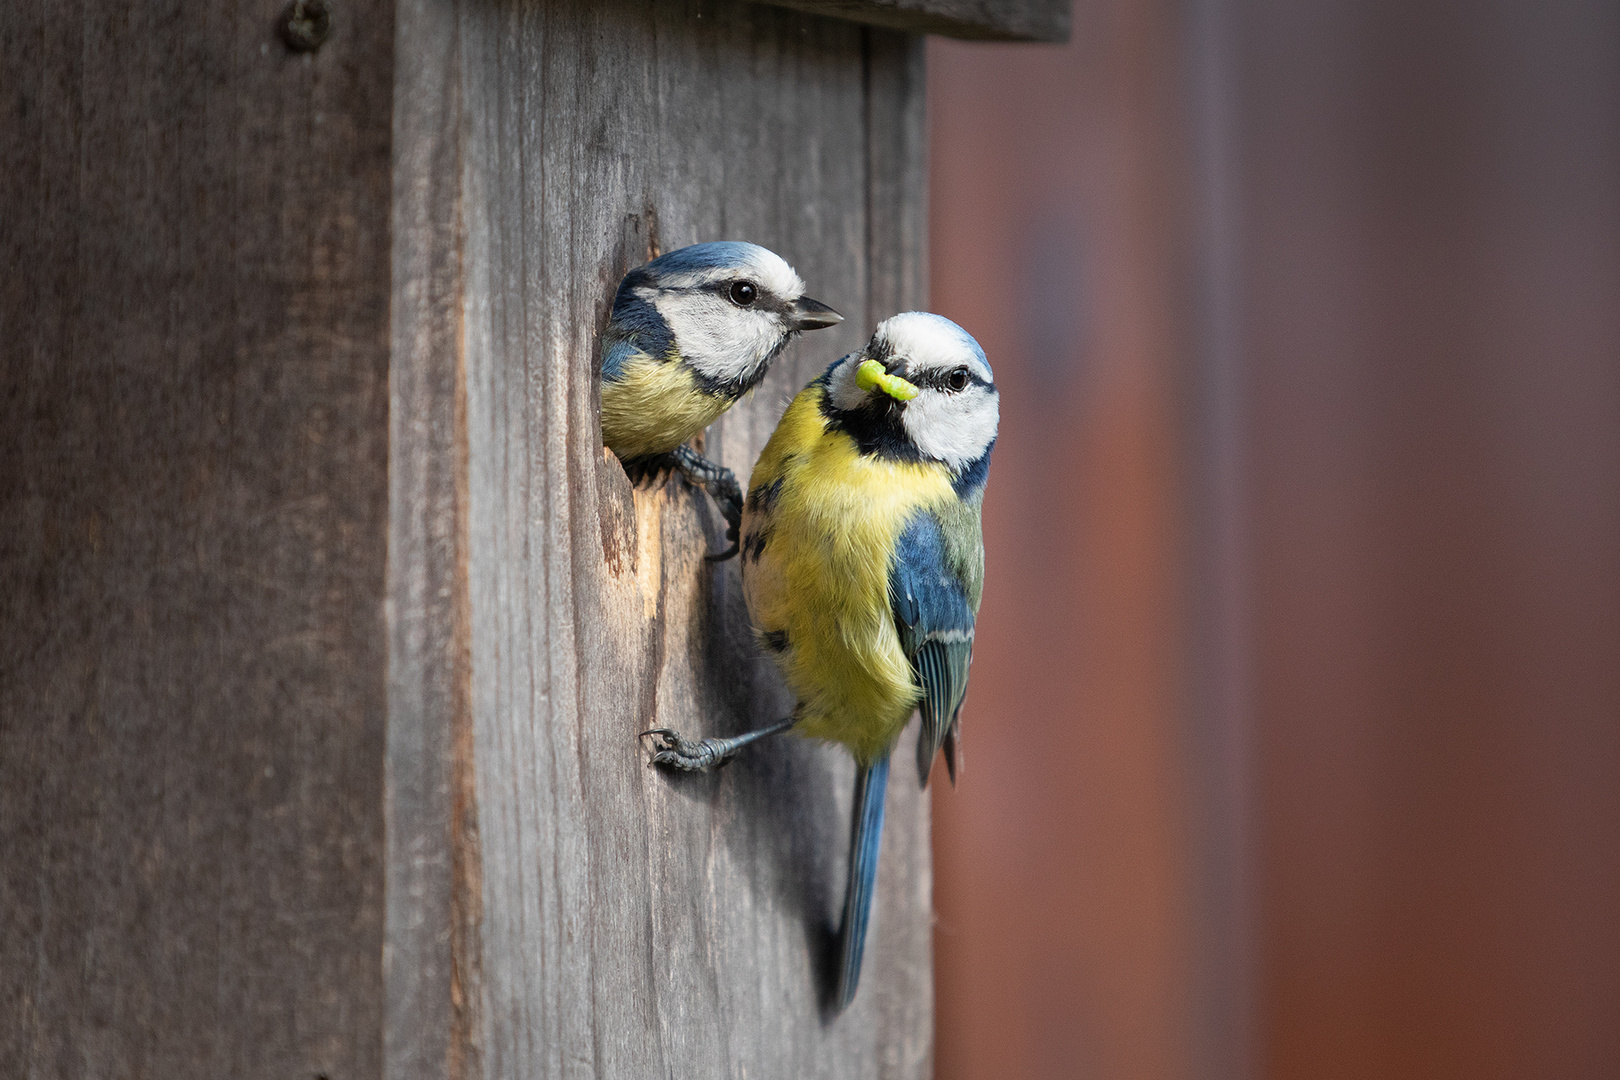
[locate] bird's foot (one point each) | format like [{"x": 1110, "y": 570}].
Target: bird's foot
[
  {"x": 721, "y": 483},
  {"x": 675, "y": 751},
  {"x": 722, "y": 556}
]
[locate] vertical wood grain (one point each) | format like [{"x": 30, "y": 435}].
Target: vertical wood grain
[
  {"x": 630, "y": 923},
  {"x": 430, "y": 958},
  {"x": 271, "y": 478},
  {"x": 193, "y": 348}
]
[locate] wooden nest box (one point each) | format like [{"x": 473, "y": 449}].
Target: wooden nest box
[{"x": 328, "y": 626}]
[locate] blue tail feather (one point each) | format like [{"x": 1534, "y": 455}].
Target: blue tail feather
[{"x": 865, "y": 836}]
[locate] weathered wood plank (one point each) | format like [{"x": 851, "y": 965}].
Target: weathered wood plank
[
  {"x": 431, "y": 955},
  {"x": 193, "y": 347},
  {"x": 193, "y": 691},
  {"x": 632, "y": 924},
  {"x": 984, "y": 20}
]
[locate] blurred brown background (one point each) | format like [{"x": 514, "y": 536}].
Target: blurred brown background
[{"x": 1293, "y": 747}]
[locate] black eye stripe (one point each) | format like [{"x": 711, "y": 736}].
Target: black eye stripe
[
  {"x": 764, "y": 298},
  {"x": 941, "y": 379}
]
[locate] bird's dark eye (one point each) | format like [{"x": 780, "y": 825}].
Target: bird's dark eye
[
  {"x": 958, "y": 379},
  {"x": 743, "y": 293}
]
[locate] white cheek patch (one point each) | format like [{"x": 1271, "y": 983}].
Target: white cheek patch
[
  {"x": 953, "y": 428},
  {"x": 719, "y": 339}
]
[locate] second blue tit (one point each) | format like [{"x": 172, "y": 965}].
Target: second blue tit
[
  {"x": 863, "y": 565},
  {"x": 692, "y": 332}
]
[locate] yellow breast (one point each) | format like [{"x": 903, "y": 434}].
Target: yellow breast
[
  {"x": 817, "y": 551},
  {"x": 655, "y": 407}
]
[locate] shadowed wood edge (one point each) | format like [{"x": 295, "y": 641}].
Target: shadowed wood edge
[{"x": 973, "y": 20}]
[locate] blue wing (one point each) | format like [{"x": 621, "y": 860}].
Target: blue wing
[
  {"x": 615, "y": 358},
  {"x": 635, "y": 327},
  {"x": 935, "y": 620}
]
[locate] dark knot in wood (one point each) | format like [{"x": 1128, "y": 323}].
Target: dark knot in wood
[{"x": 306, "y": 24}]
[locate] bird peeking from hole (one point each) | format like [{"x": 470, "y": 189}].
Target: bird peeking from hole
[
  {"x": 862, "y": 568},
  {"x": 691, "y": 333}
]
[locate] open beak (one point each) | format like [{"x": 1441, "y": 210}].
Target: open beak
[
  {"x": 808, "y": 314},
  {"x": 871, "y": 376}
]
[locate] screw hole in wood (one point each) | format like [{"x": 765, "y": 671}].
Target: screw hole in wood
[{"x": 305, "y": 25}]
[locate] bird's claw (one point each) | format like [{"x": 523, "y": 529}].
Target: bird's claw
[
  {"x": 721, "y": 484},
  {"x": 728, "y": 493},
  {"x": 732, "y": 530},
  {"x": 722, "y": 556},
  {"x": 673, "y": 750}
]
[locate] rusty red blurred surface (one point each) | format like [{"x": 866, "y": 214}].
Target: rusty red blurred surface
[
  {"x": 1059, "y": 857},
  {"x": 1431, "y": 297},
  {"x": 1418, "y": 254}
]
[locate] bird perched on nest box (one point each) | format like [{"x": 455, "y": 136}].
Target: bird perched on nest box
[
  {"x": 692, "y": 332},
  {"x": 863, "y": 564}
]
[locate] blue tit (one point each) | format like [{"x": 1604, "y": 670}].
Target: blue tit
[
  {"x": 691, "y": 332},
  {"x": 863, "y": 564}
]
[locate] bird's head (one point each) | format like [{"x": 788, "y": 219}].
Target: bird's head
[
  {"x": 922, "y": 387},
  {"x": 726, "y": 308}
]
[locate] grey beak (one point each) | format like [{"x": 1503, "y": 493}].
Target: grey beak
[{"x": 808, "y": 314}]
